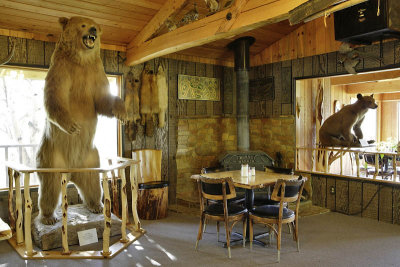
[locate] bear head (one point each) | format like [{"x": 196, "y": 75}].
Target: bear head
[
  {"x": 367, "y": 101},
  {"x": 80, "y": 36}
]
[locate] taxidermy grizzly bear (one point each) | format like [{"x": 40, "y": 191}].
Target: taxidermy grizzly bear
[
  {"x": 76, "y": 92},
  {"x": 336, "y": 130}
]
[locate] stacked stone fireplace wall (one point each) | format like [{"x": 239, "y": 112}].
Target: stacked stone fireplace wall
[{"x": 201, "y": 142}]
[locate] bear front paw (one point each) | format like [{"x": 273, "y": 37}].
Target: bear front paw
[
  {"x": 97, "y": 208},
  {"x": 121, "y": 114}
]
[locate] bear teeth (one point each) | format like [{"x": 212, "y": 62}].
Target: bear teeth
[{"x": 92, "y": 37}]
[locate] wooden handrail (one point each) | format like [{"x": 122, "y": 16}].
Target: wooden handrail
[
  {"x": 321, "y": 164},
  {"x": 26, "y": 169}
]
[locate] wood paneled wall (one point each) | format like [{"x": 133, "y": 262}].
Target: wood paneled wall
[
  {"x": 358, "y": 198},
  {"x": 312, "y": 38}
]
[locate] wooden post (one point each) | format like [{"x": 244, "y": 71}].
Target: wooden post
[
  {"x": 134, "y": 189},
  {"x": 107, "y": 216},
  {"x": 358, "y": 163},
  {"x": 18, "y": 203},
  {"x": 11, "y": 214},
  {"x": 124, "y": 204},
  {"x": 28, "y": 216},
  {"x": 394, "y": 168},
  {"x": 312, "y": 159},
  {"x": 341, "y": 162},
  {"x": 64, "y": 205},
  {"x": 326, "y": 152},
  {"x": 376, "y": 165},
  {"x": 114, "y": 190}
]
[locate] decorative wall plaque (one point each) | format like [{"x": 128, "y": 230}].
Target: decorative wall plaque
[
  {"x": 262, "y": 89},
  {"x": 198, "y": 88}
]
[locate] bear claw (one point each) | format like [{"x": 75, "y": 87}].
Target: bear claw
[
  {"x": 95, "y": 208},
  {"x": 48, "y": 220}
]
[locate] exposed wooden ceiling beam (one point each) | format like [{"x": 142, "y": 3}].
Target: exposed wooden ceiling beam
[
  {"x": 365, "y": 77},
  {"x": 374, "y": 87},
  {"x": 335, "y": 8},
  {"x": 170, "y": 8},
  {"x": 307, "y": 9},
  {"x": 207, "y": 29}
]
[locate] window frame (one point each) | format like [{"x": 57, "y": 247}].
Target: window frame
[{"x": 119, "y": 124}]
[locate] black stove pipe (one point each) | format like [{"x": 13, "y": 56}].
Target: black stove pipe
[{"x": 242, "y": 65}]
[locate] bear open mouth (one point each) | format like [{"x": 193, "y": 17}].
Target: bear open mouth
[{"x": 88, "y": 40}]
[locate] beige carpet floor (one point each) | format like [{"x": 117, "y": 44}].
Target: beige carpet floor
[{"x": 328, "y": 239}]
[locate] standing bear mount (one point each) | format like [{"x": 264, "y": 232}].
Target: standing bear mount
[
  {"x": 336, "y": 130},
  {"x": 76, "y": 91}
]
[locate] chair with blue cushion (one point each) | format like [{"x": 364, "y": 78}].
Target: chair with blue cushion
[
  {"x": 220, "y": 209},
  {"x": 263, "y": 197},
  {"x": 274, "y": 216}
]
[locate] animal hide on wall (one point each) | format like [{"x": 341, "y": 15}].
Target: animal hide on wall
[
  {"x": 162, "y": 88},
  {"x": 154, "y": 96},
  {"x": 146, "y": 95},
  {"x": 132, "y": 98}
]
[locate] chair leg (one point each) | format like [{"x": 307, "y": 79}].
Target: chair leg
[
  {"x": 278, "y": 241},
  {"x": 251, "y": 233},
  {"x": 218, "y": 231},
  {"x": 205, "y": 225},
  {"x": 270, "y": 234},
  {"x": 244, "y": 231},
  {"x": 290, "y": 229},
  {"x": 200, "y": 234},
  {"x": 228, "y": 237},
  {"x": 296, "y": 231}
]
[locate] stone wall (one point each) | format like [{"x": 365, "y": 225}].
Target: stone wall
[
  {"x": 275, "y": 134},
  {"x": 200, "y": 144}
]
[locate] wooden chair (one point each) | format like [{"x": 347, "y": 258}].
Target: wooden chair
[
  {"x": 153, "y": 191},
  {"x": 263, "y": 197},
  {"x": 285, "y": 191},
  {"x": 220, "y": 190}
]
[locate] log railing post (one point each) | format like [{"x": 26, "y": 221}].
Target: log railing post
[
  {"x": 11, "y": 213},
  {"x": 394, "y": 168},
  {"x": 124, "y": 204},
  {"x": 64, "y": 205},
  {"x": 107, "y": 216},
  {"x": 114, "y": 190},
  {"x": 18, "y": 204},
  {"x": 326, "y": 153},
  {"x": 376, "y": 165},
  {"x": 341, "y": 162},
  {"x": 134, "y": 188},
  {"x": 28, "y": 216},
  {"x": 358, "y": 163}
]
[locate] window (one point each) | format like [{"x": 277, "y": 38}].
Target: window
[
  {"x": 22, "y": 119},
  {"x": 369, "y": 125}
]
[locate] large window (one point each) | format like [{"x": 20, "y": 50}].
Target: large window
[
  {"x": 369, "y": 125},
  {"x": 22, "y": 118}
]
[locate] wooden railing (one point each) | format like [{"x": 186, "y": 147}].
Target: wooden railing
[
  {"x": 16, "y": 170},
  {"x": 348, "y": 162},
  {"x": 20, "y": 148}
]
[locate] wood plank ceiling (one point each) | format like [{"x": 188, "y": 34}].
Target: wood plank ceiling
[{"x": 123, "y": 20}]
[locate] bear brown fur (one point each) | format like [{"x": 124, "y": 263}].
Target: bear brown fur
[
  {"x": 336, "y": 130},
  {"x": 76, "y": 92}
]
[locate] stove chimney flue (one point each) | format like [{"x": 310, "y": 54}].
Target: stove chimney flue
[{"x": 242, "y": 65}]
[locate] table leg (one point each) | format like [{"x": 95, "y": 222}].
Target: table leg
[{"x": 249, "y": 203}]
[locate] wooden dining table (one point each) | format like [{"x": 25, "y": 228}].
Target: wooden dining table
[{"x": 260, "y": 180}]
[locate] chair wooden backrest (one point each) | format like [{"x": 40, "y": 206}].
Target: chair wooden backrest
[
  {"x": 216, "y": 189},
  {"x": 149, "y": 166},
  {"x": 288, "y": 190}
]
